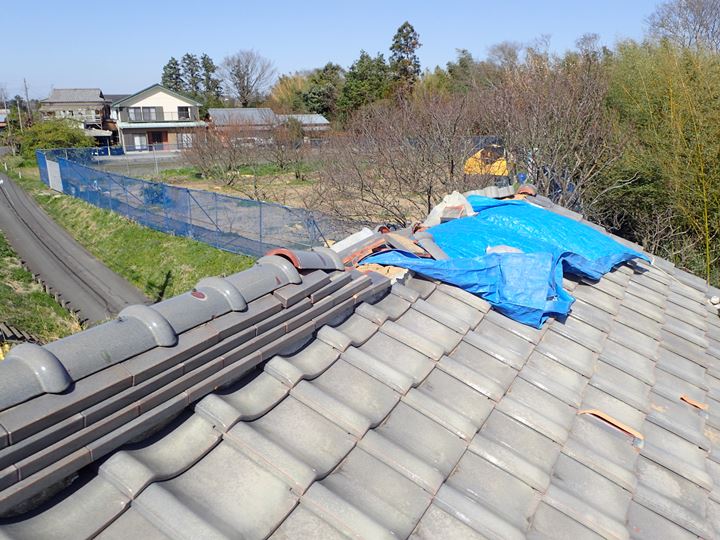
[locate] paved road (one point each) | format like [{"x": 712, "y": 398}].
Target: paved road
[{"x": 82, "y": 281}]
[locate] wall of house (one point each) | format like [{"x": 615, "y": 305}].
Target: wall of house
[{"x": 168, "y": 102}]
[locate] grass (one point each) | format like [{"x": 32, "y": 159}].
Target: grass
[
  {"x": 24, "y": 305},
  {"x": 159, "y": 264}
]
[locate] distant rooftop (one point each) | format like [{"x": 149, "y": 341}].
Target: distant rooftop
[
  {"x": 233, "y": 116},
  {"x": 75, "y": 95},
  {"x": 112, "y": 98},
  {"x": 306, "y": 119}
]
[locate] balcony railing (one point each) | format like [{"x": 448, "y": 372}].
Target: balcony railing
[{"x": 165, "y": 116}]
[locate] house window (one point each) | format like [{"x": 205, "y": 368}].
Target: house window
[
  {"x": 149, "y": 113},
  {"x": 183, "y": 113},
  {"x": 134, "y": 113}
]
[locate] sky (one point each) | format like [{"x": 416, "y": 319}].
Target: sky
[{"x": 121, "y": 47}]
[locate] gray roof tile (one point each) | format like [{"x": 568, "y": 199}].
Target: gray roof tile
[
  {"x": 430, "y": 329},
  {"x": 379, "y": 492},
  {"x": 595, "y": 399},
  {"x": 358, "y": 390},
  {"x": 436, "y": 523},
  {"x": 480, "y": 518},
  {"x": 528, "y": 333},
  {"x": 399, "y": 356},
  {"x": 223, "y": 495},
  {"x": 132, "y": 524},
  {"x": 592, "y": 315},
  {"x": 517, "y": 449},
  {"x": 659, "y": 300},
  {"x": 302, "y": 523},
  {"x": 500, "y": 343},
  {"x": 537, "y": 409},
  {"x": 597, "y": 298},
  {"x": 567, "y": 352},
  {"x": 423, "y": 437},
  {"x": 621, "y": 385},
  {"x": 479, "y": 370},
  {"x": 581, "y": 333},
  {"x": 629, "y": 361},
  {"x": 495, "y": 489},
  {"x": 556, "y": 379},
  {"x": 643, "y": 307},
  {"x": 549, "y": 523},
  {"x": 634, "y": 339},
  {"x": 608, "y": 452},
  {"x": 673, "y": 497},
  {"x": 676, "y": 454},
  {"x": 588, "y": 497},
  {"x": 645, "y": 524}
]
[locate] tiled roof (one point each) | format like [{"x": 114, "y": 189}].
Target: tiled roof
[
  {"x": 310, "y": 402},
  {"x": 306, "y": 119},
  {"x": 75, "y": 95},
  {"x": 239, "y": 116}
]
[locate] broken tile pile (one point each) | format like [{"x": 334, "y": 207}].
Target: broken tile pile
[{"x": 304, "y": 399}]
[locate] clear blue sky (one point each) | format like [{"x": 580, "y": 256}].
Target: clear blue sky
[{"x": 121, "y": 47}]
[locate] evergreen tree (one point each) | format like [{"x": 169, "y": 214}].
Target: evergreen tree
[
  {"x": 323, "y": 89},
  {"x": 172, "y": 75},
  {"x": 404, "y": 62},
  {"x": 211, "y": 85},
  {"x": 367, "y": 80},
  {"x": 191, "y": 75}
]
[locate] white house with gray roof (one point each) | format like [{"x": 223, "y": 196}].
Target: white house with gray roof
[{"x": 157, "y": 118}]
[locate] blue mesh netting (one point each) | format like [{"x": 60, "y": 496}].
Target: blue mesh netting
[{"x": 229, "y": 223}]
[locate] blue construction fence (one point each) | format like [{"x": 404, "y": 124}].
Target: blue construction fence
[{"x": 230, "y": 223}]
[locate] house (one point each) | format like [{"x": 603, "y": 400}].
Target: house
[
  {"x": 156, "y": 118},
  {"x": 3, "y": 118},
  {"x": 250, "y": 124},
  {"x": 303, "y": 398},
  {"x": 312, "y": 124},
  {"x": 86, "y": 107}
]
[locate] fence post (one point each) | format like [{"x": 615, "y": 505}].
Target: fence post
[
  {"x": 260, "y": 206},
  {"x": 217, "y": 226}
]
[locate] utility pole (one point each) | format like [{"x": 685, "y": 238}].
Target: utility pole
[
  {"x": 27, "y": 102},
  {"x": 17, "y": 102}
]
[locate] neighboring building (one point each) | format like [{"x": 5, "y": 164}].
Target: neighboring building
[
  {"x": 258, "y": 123},
  {"x": 86, "y": 107},
  {"x": 156, "y": 118},
  {"x": 3, "y": 118},
  {"x": 260, "y": 119},
  {"x": 310, "y": 122}
]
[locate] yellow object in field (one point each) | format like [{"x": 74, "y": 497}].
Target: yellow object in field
[
  {"x": 4, "y": 349},
  {"x": 487, "y": 161}
]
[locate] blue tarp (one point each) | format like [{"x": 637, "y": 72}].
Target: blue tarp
[{"x": 526, "y": 286}]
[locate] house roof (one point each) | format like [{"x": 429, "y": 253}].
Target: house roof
[
  {"x": 238, "y": 116},
  {"x": 75, "y": 95},
  {"x": 306, "y": 119},
  {"x": 310, "y": 400},
  {"x": 112, "y": 98},
  {"x": 124, "y": 102}
]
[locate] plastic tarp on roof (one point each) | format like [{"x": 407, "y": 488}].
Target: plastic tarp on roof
[{"x": 526, "y": 286}]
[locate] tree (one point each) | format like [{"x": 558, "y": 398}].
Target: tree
[
  {"x": 211, "y": 84},
  {"x": 323, "y": 90},
  {"x": 247, "y": 76},
  {"x": 687, "y": 23},
  {"x": 397, "y": 159},
  {"x": 191, "y": 75},
  {"x": 367, "y": 81},
  {"x": 286, "y": 95},
  {"x": 58, "y": 133},
  {"x": 404, "y": 62},
  {"x": 550, "y": 113},
  {"x": 172, "y": 75},
  {"x": 667, "y": 97}
]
